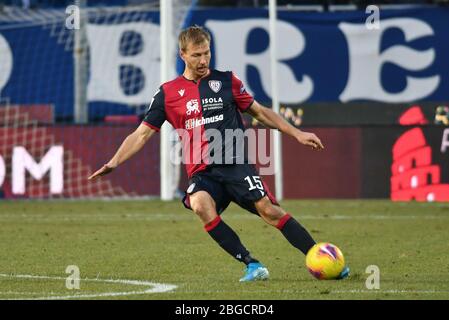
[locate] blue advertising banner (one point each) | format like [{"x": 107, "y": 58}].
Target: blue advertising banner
[
  {"x": 337, "y": 57},
  {"x": 37, "y": 60}
]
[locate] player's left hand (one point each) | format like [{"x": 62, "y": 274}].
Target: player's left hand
[{"x": 310, "y": 139}]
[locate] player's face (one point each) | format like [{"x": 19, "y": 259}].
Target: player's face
[{"x": 197, "y": 58}]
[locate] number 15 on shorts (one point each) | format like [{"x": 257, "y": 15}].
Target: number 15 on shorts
[{"x": 254, "y": 183}]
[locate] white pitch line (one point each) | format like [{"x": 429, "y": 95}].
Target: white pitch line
[
  {"x": 155, "y": 287},
  {"x": 181, "y": 217},
  {"x": 387, "y": 291},
  {"x": 392, "y": 291},
  {"x": 161, "y": 288},
  {"x": 324, "y": 292}
]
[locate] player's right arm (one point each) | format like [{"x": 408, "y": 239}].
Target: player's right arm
[
  {"x": 154, "y": 118},
  {"x": 130, "y": 146}
]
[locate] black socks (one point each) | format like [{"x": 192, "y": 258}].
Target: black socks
[
  {"x": 295, "y": 233},
  {"x": 228, "y": 240}
]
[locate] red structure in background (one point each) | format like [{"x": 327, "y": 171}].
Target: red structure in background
[
  {"x": 414, "y": 177},
  {"x": 413, "y": 116}
]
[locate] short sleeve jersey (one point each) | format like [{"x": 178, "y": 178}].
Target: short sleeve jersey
[{"x": 207, "y": 116}]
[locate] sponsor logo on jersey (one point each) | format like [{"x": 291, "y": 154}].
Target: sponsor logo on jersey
[
  {"x": 211, "y": 100},
  {"x": 192, "y": 106},
  {"x": 212, "y": 103},
  {"x": 215, "y": 85},
  {"x": 193, "y": 123},
  {"x": 181, "y": 92}
]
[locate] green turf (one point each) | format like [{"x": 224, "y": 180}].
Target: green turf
[{"x": 164, "y": 243}]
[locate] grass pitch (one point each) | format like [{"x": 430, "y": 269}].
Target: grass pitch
[{"x": 152, "y": 241}]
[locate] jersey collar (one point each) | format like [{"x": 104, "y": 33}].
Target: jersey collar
[{"x": 199, "y": 80}]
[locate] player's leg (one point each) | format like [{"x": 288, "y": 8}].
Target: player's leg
[
  {"x": 202, "y": 203},
  {"x": 292, "y": 230},
  {"x": 247, "y": 189},
  {"x": 204, "y": 207}
]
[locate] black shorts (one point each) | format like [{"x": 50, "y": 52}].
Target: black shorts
[{"x": 239, "y": 183}]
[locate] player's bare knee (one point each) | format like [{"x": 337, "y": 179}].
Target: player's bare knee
[
  {"x": 268, "y": 211},
  {"x": 200, "y": 208},
  {"x": 203, "y": 208},
  {"x": 272, "y": 216}
]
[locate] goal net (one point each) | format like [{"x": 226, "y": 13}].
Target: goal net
[{"x": 71, "y": 90}]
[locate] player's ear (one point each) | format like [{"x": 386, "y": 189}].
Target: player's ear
[{"x": 181, "y": 54}]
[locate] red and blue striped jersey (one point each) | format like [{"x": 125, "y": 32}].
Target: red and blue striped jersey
[{"x": 201, "y": 111}]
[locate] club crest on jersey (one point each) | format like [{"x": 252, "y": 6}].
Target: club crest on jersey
[
  {"x": 215, "y": 85},
  {"x": 192, "y": 106}
]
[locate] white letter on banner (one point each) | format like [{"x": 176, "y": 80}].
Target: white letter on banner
[
  {"x": 52, "y": 161},
  {"x": 366, "y": 61},
  {"x": 444, "y": 142},
  {"x": 231, "y": 38},
  {"x": 2, "y": 170},
  {"x": 6, "y": 62},
  {"x": 106, "y": 60}
]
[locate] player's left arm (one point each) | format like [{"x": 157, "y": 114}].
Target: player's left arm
[{"x": 272, "y": 120}]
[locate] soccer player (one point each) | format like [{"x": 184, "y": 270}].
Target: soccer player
[{"x": 203, "y": 99}]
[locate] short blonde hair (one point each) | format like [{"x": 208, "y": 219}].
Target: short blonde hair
[{"x": 193, "y": 34}]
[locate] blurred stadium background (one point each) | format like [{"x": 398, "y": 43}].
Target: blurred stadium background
[{"x": 378, "y": 98}]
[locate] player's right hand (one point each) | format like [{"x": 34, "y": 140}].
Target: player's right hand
[{"x": 101, "y": 172}]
